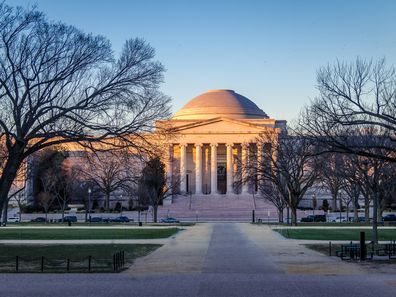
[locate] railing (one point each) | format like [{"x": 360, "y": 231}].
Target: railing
[{"x": 69, "y": 265}]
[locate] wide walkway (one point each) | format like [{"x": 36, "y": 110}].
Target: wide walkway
[{"x": 222, "y": 259}]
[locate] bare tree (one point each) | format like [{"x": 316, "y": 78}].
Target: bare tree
[
  {"x": 60, "y": 85},
  {"x": 387, "y": 188},
  {"x": 331, "y": 174},
  {"x": 52, "y": 178},
  {"x": 152, "y": 187},
  {"x": 109, "y": 171},
  {"x": 376, "y": 176},
  {"x": 63, "y": 188},
  {"x": 354, "y": 97},
  {"x": 288, "y": 163},
  {"x": 352, "y": 183},
  {"x": 270, "y": 192},
  {"x": 45, "y": 200},
  {"x": 345, "y": 199},
  {"x": 355, "y": 113}
]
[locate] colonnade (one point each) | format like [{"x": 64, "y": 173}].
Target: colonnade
[{"x": 213, "y": 166}]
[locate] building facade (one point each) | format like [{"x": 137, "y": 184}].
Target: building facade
[{"x": 215, "y": 135}]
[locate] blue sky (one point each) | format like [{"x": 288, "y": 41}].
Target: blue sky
[{"x": 268, "y": 51}]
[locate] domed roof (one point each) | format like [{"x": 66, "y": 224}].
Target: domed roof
[{"x": 217, "y": 103}]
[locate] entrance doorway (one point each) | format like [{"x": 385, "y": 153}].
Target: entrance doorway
[{"x": 221, "y": 178}]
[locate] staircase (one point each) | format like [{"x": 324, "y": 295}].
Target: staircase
[{"x": 218, "y": 208}]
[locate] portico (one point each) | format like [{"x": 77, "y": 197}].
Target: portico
[{"x": 207, "y": 175}]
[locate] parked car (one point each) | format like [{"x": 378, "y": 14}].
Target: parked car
[
  {"x": 95, "y": 220},
  {"x": 39, "y": 220},
  {"x": 307, "y": 219},
  {"x": 339, "y": 219},
  {"x": 389, "y": 217},
  {"x": 121, "y": 219},
  {"x": 13, "y": 220},
  {"x": 314, "y": 218},
  {"x": 169, "y": 220},
  {"x": 359, "y": 219},
  {"x": 71, "y": 219}
]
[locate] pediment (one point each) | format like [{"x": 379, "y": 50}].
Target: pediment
[{"x": 220, "y": 125}]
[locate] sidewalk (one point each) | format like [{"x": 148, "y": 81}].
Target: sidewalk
[
  {"x": 292, "y": 257},
  {"x": 184, "y": 253}
]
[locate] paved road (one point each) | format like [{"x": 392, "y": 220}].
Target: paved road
[{"x": 216, "y": 260}]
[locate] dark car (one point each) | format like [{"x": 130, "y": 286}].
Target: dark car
[
  {"x": 308, "y": 219},
  {"x": 389, "y": 218},
  {"x": 314, "y": 218},
  {"x": 71, "y": 219},
  {"x": 96, "y": 220},
  {"x": 121, "y": 219},
  {"x": 39, "y": 220},
  {"x": 169, "y": 220}
]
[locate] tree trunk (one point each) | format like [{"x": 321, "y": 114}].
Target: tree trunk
[
  {"x": 294, "y": 216},
  {"x": 155, "y": 213},
  {"x": 355, "y": 209},
  {"x": 280, "y": 215},
  {"x": 367, "y": 209},
  {"x": 7, "y": 178},
  {"x": 288, "y": 215},
  {"x": 4, "y": 217},
  {"x": 20, "y": 210},
  {"x": 334, "y": 202},
  {"x": 107, "y": 206},
  {"x": 347, "y": 210},
  {"x": 375, "y": 221},
  {"x": 379, "y": 213}
]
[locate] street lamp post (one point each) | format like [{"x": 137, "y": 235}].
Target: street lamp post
[
  {"x": 89, "y": 203},
  {"x": 313, "y": 205}
]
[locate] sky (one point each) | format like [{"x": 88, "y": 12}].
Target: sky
[{"x": 268, "y": 51}]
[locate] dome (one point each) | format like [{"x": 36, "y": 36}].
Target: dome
[{"x": 219, "y": 103}]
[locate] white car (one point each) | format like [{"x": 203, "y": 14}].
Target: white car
[
  {"x": 13, "y": 220},
  {"x": 339, "y": 219}
]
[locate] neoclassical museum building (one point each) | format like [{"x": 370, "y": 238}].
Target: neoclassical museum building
[
  {"x": 212, "y": 132},
  {"x": 215, "y": 134}
]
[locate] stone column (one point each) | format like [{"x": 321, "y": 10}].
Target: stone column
[
  {"x": 245, "y": 168},
  {"x": 168, "y": 166},
  {"x": 198, "y": 168},
  {"x": 213, "y": 168},
  {"x": 230, "y": 175},
  {"x": 183, "y": 166}
]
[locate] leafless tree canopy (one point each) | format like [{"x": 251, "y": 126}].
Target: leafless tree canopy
[
  {"x": 355, "y": 113},
  {"x": 287, "y": 169},
  {"x": 58, "y": 84},
  {"x": 110, "y": 171},
  {"x": 353, "y": 98},
  {"x": 331, "y": 174}
]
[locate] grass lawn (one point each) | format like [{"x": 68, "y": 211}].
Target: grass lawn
[
  {"x": 75, "y": 233},
  {"x": 55, "y": 256},
  {"x": 334, "y": 234}
]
